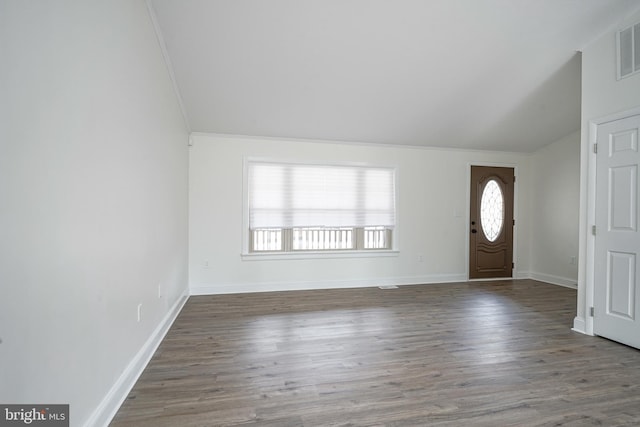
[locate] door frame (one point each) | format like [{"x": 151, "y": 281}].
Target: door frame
[
  {"x": 516, "y": 274},
  {"x": 583, "y": 322}
]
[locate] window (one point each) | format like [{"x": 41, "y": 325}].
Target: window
[
  {"x": 299, "y": 207},
  {"x": 492, "y": 210}
]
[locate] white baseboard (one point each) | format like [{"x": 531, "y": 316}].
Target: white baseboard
[
  {"x": 237, "y": 288},
  {"x": 555, "y": 280},
  {"x": 110, "y": 404},
  {"x": 580, "y": 325},
  {"x": 215, "y": 289}
]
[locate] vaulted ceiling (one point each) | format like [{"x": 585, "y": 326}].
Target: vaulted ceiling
[{"x": 480, "y": 74}]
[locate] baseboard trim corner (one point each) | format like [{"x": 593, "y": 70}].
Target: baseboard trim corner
[
  {"x": 518, "y": 274},
  {"x": 555, "y": 280},
  {"x": 112, "y": 401},
  {"x": 580, "y": 325}
]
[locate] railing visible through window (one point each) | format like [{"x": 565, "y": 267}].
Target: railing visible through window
[
  {"x": 376, "y": 238},
  {"x": 322, "y": 238},
  {"x": 269, "y": 239}
]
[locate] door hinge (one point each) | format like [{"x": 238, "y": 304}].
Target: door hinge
[
  {"x": 593, "y": 230},
  {"x": 513, "y": 265},
  {"x": 514, "y": 178},
  {"x": 514, "y": 222},
  {"x": 591, "y": 311},
  {"x": 595, "y": 148}
]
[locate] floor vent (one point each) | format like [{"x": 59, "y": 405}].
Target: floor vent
[{"x": 388, "y": 287}]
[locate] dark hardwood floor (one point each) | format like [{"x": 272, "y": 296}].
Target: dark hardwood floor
[{"x": 483, "y": 354}]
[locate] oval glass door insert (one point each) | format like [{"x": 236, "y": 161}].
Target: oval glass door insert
[{"x": 492, "y": 210}]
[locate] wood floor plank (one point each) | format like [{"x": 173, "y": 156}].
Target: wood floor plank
[{"x": 482, "y": 353}]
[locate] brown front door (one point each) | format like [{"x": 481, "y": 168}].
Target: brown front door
[{"x": 491, "y": 222}]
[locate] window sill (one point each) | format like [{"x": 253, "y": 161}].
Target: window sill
[{"x": 266, "y": 256}]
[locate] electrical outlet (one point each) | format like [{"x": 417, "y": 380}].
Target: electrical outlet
[
  {"x": 139, "y": 312},
  {"x": 572, "y": 260},
  {"x": 420, "y": 258},
  {"x": 159, "y": 290},
  {"x": 205, "y": 263}
]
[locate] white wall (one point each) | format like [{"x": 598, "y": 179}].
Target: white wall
[
  {"x": 432, "y": 186},
  {"x": 93, "y": 199},
  {"x": 555, "y": 193},
  {"x": 602, "y": 95},
  {"x": 93, "y": 205}
]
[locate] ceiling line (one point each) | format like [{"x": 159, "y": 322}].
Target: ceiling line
[{"x": 167, "y": 62}]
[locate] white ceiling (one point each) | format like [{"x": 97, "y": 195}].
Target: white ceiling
[{"x": 482, "y": 74}]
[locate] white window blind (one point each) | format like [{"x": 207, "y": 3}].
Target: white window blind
[{"x": 287, "y": 195}]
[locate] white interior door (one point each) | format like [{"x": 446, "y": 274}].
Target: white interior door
[{"x": 617, "y": 241}]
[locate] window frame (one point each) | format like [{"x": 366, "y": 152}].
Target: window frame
[{"x": 247, "y": 237}]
